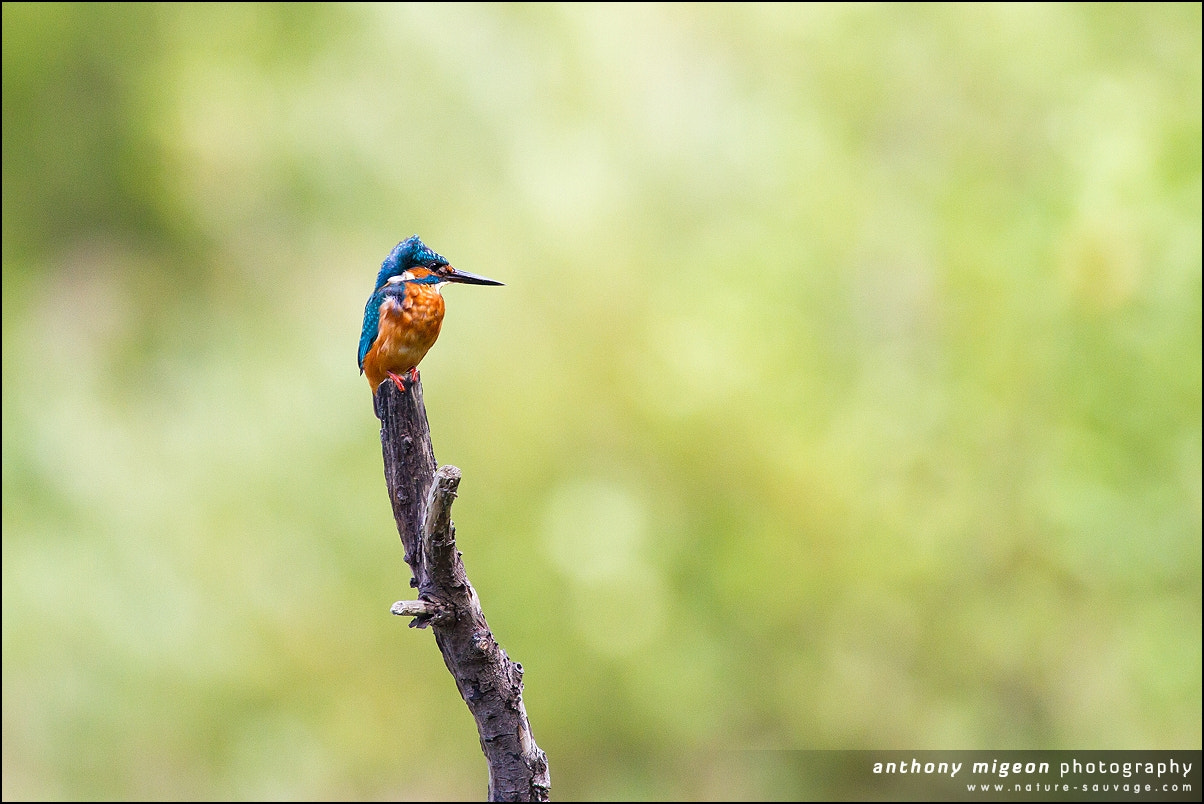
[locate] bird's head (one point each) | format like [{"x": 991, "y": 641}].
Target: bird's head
[{"x": 411, "y": 260}]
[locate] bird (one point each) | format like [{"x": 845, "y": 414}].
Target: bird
[{"x": 404, "y": 314}]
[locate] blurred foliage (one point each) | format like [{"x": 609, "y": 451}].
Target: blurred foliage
[{"x": 844, "y": 391}]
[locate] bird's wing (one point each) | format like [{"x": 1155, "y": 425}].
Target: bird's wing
[{"x": 371, "y": 327}]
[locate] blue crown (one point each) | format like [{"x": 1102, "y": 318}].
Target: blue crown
[{"x": 409, "y": 253}]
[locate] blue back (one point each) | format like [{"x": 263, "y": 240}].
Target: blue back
[{"x": 371, "y": 325}]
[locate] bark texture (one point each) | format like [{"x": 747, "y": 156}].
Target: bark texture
[{"x": 489, "y": 682}]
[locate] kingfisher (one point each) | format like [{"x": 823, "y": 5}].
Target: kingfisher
[{"x": 405, "y": 312}]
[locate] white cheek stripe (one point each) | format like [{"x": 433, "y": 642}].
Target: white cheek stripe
[{"x": 409, "y": 277}]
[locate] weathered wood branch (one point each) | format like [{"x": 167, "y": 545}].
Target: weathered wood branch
[{"x": 489, "y": 682}]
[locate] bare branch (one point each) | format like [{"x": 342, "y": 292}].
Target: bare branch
[{"x": 489, "y": 682}]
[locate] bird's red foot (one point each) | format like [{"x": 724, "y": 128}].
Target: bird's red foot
[{"x": 399, "y": 381}]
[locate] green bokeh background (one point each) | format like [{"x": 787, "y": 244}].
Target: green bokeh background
[{"x": 844, "y": 391}]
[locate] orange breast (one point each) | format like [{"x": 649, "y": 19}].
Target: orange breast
[{"x": 408, "y": 329}]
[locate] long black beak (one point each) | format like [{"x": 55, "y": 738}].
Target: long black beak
[{"x": 455, "y": 275}]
